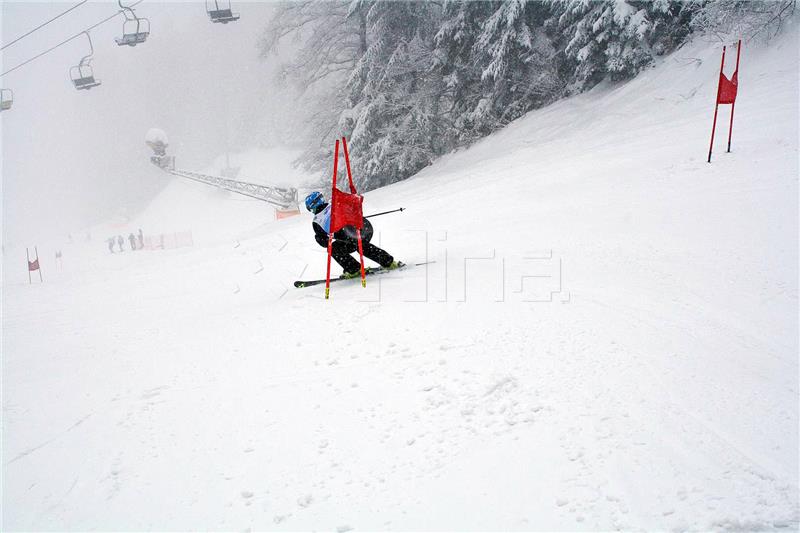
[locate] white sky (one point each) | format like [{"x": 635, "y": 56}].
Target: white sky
[{"x": 74, "y": 158}]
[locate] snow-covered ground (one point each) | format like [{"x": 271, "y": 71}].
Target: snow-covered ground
[{"x": 653, "y": 385}]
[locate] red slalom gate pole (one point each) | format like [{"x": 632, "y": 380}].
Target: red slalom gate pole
[
  {"x": 36, "y": 249},
  {"x": 716, "y": 105},
  {"x": 330, "y": 222},
  {"x": 733, "y": 104},
  {"x": 347, "y": 163},
  {"x": 328, "y": 273},
  {"x": 361, "y": 257}
]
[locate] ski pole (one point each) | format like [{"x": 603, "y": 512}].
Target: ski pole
[{"x": 385, "y": 212}]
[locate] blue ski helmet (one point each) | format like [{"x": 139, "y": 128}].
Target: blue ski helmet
[{"x": 314, "y": 200}]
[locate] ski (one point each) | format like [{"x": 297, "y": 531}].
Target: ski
[{"x": 300, "y": 284}]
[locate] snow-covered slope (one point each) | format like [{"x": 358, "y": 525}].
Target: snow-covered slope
[{"x": 654, "y": 384}]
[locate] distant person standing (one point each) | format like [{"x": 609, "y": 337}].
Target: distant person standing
[
  {"x": 141, "y": 239},
  {"x": 132, "y": 240},
  {"x": 121, "y": 242},
  {"x": 110, "y": 242}
]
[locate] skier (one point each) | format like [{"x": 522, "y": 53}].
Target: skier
[
  {"x": 132, "y": 240},
  {"x": 120, "y": 241},
  {"x": 140, "y": 236},
  {"x": 111, "y": 241},
  {"x": 344, "y": 240}
]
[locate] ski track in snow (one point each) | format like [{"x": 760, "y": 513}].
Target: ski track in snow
[{"x": 655, "y": 387}]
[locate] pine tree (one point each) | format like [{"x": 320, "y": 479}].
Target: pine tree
[
  {"x": 613, "y": 39},
  {"x": 458, "y": 69},
  {"x": 516, "y": 56},
  {"x": 388, "y": 115}
]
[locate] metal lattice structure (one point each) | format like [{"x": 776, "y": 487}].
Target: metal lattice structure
[{"x": 284, "y": 198}]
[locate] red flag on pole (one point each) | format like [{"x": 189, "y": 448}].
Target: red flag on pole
[
  {"x": 346, "y": 210},
  {"x": 727, "y": 90},
  {"x": 33, "y": 266}
]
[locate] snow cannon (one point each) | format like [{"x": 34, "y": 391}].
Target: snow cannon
[{"x": 157, "y": 140}]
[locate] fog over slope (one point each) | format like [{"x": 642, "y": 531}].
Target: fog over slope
[{"x": 75, "y": 158}]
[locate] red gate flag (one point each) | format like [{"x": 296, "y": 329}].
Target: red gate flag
[
  {"x": 345, "y": 211},
  {"x": 727, "y": 90},
  {"x": 346, "y": 208},
  {"x": 33, "y": 265}
]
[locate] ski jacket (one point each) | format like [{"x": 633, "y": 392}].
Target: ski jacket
[{"x": 322, "y": 224}]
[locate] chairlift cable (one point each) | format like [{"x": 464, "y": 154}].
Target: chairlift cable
[
  {"x": 62, "y": 43},
  {"x": 40, "y": 26}
]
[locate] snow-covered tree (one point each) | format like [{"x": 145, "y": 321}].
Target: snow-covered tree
[
  {"x": 516, "y": 58},
  {"x": 737, "y": 19},
  {"x": 388, "y": 119},
  {"x": 409, "y": 81},
  {"x": 459, "y": 72},
  {"x": 325, "y": 41},
  {"x": 614, "y": 38}
]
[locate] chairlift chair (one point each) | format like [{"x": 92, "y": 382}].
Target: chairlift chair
[
  {"x": 219, "y": 11},
  {"x": 134, "y": 30},
  {"x": 6, "y": 99},
  {"x": 82, "y": 74}
]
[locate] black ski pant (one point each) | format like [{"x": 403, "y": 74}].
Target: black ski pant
[{"x": 341, "y": 250}]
